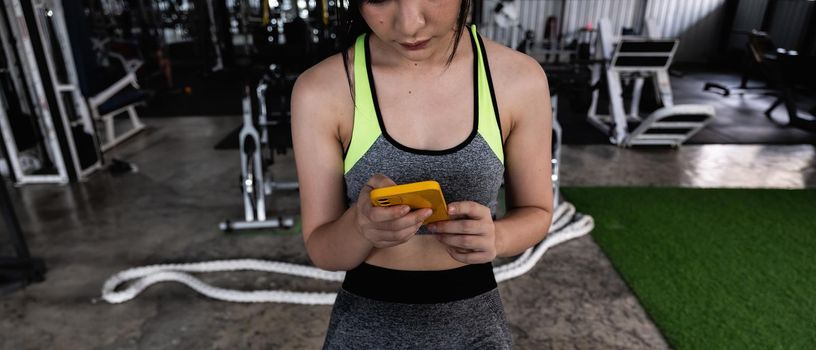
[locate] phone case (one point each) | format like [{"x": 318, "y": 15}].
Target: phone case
[{"x": 417, "y": 195}]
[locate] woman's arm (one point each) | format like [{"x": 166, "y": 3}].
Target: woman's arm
[
  {"x": 471, "y": 235},
  {"x": 337, "y": 237},
  {"x": 528, "y": 154},
  {"x": 328, "y": 226}
]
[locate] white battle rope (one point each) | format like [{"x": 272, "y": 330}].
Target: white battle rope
[{"x": 566, "y": 226}]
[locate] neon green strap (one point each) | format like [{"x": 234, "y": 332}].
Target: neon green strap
[
  {"x": 488, "y": 124},
  {"x": 366, "y": 128}
]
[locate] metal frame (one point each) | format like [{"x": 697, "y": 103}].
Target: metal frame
[
  {"x": 648, "y": 132},
  {"x": 556, "y": 152},
  {"x": 654, "y": 121},
  {"x": 660, "y": 74},
  {"x": 219, "y": 61},
  {"x": 252, "y": 167},
  {"x": 60, "y": 33},
  {"x": 130, "y": 65},
  {"x": 256, "y": 182},
  {"x": 604, "y": 52},
  {"x": 11, "y": 59},
  {"x": 508, "y": 36},
  {"x": 24, "y": 46},
  {"x": 111, "y": 138}
]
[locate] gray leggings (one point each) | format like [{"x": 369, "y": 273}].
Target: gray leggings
[{"x": 363, "y": 323}]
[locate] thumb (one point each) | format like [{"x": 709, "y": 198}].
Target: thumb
[{"x": 377, "y": 181}]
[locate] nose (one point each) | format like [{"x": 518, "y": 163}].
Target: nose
[{"x": 410, "y": 18}]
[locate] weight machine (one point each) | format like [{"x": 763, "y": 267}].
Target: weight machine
[
  {"x": 634, "y": 59},
  {"x": 37, "y": 53},
  {"x": 111, "y": 90}
]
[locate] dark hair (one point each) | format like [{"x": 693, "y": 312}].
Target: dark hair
[{"x": 353, "y": 25}]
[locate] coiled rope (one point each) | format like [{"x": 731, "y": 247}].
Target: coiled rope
[{"x": 566, "y": 225}]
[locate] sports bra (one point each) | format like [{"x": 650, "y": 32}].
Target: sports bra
[{"x": 470, "y": 171}]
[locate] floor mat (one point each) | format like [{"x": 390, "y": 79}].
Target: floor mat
[{"x": 714, "y": 268}]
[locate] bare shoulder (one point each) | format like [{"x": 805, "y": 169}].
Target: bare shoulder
[
  {"x": 326, "y": 83},
  {"x": 508, "y": 65},
  {"x": 518, "y": 79}
]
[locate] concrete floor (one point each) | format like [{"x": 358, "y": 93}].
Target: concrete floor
[{"x": 169, "y": 211}]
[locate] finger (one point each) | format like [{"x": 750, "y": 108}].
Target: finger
[
  {"x": 412, "y": 219},
  {"x": 376, "y": 181},
  {"x": 462, "y": 242},
  {"x": 468, "y": 227},
  {"x": 467, "y": 209},
  {"x": 386, "y": 214},
  {"x": 395, "y": 237},
  {"x": 382, "y": 238},
  {"x": 379, "y": 180}
]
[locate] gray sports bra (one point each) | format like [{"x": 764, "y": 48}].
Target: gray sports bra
[{"x": 470, "y": 171}]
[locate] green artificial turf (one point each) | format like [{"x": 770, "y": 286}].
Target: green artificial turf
[{"x": 714, "y": 268}]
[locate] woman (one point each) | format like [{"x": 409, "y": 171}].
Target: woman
[{"x": 418, "y": 95}]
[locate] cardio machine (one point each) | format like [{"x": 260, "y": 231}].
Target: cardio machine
[
  {"x": 633, "y": 60},
  {"x": 259, "y": 139}
]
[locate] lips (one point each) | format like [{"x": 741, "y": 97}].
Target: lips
[{"x": 415, "y": 45}]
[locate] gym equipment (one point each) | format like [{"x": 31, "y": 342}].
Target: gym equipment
[
  {"x": 295, "y": 35},
  {"x": 503, "y": 24},
  {"x": 65, "y": 145},
  {"x": 556, "y": 151},
  {"x": 183, "y": 34},
  {"x": 251, "y": 21},
  {"x": 251, "y": 33},
  {"x": 16, "y": 102},
  {"x": 219, "y": 60},
  {"x": 774, "y": 64},
  {"x": 116, "y": 29},
  {"x": 634, "y": 59},
  {"x": 256, "y": 149},
  {"x": 111, "y": 91},
  {"x": 550, "y": 50}
]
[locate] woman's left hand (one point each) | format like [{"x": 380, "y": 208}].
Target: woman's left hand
[{"x": 470, "y": 234}]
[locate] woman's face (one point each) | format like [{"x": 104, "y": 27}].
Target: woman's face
[{"x": 416, "y": 29}]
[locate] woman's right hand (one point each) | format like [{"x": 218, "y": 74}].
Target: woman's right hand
[{"x": 386, "y": 226}]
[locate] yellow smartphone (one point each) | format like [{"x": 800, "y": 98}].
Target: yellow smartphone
[{"x": 417, "y": 195}]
